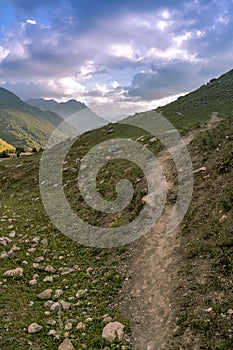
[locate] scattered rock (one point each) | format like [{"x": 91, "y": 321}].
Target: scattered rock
[
  {"x": 107, "y": 318},
  {"x": 58, "y": 293},
  {"x": 12, "y": 234},
  {"x": 48, "y": 279},
  {"x": 54, "y": 306},
  {"x": 31, "y": 250},
  {"x": 52, "y": 332},
  {"x": 16, "y": 272},
  {"x": 50, "y": 269},
  {"x": 39, "y": 259},
  {"x": 32, "y": 282},
  {"x": 51, "y": 322},
  {"x": 230, "y": 312},
  {"x": 46, "y": 294},
  {"x": 80, "y": 325},
  {"x": 48, "y": 303},
  {"x": 66, "y": 345},
  {"x": 112, "y": 331},
  {"x": 68, "y": 326},
  {"x": 37, "y": 266},
  {"x": 65, "y": 305},
  {"x": 80, "y": 292},
  {"x": 34, "y": 328},
  {"x": 223, "y": 218}
]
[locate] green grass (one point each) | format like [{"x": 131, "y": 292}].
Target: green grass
[{"x": 205, "y": 296}]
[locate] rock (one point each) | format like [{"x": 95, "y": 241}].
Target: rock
[
  {"x": 38, "y": 266},
  {"x": 66, "y": 345},
  {"x": 223, "y": 218},
  {"x": 200, "y": 169},
  {"x": 52, "y": 332},
  {"x": 65, "y": 305},
  {"x": 230, "y": 312},
  {"x": 48, "y": 279},
  {"x": 68, "y": 326},
  {"x": 54, "y": 306},
  {"x": 50, "y": 269},
  {"x": 80, "y": 325},
  {"x": 51, "y": 322},
  {"x": 46, "y": 294},
  {"x": 15, "y": 249},
  {"x": 36, "y": 240},
  {"x": 4, "y": 255},
  {"x": 3, "y": 241},
  {"x": 12, "y": 234},
  {"x": 34, "y": 328},
  {"x": 80, "y": 292},
  {"x": 48, "y": 303},
  {"x": 44, "y": 241},
  {"x": 32, "y": 282},
  {"x": 58, "y": 293},
  {"x": 107, "y": 318},
  {"x": 31, "y": 250},
  {"x": 112, "y": 331},
  {"x": 39, "y": 259},
  {"x": 16, "y": 272}
]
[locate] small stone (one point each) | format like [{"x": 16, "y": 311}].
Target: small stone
[
  {"x": 44, "y": 241},
  {"x": 16, "y": 272},
  {"x": 48, "y": 279},
  {"x": 3, "y": 241},
  {"x": 107, "y": 318},
  {"x": 223, "y": 218},
  {"x": 58, "y": 293},
  {"x": 112, "y": 331},
  {"x": 54, "y": 306},
  {"x": 89, "y": 319},
  {"x": 10, "y": 227},
  {"x": 51, "y": 322},
  {"x": 32, "y": 282},
  {"x": 34, "y": 328},
  {"x": 66, "y": 270},
  {"x": 50, "y": 269},
  {"x": 47, "y": 313},
  {"x": 31, "y": 250},
  {"x": 12, "y": 234},
  {"x": 230, "y": 312},
  {"x": 15, "y": 248},
  {"x": 4, "y": 255},
  {"x": 68, "y": 326},
  {"x": 39, "y": 259},
  {"x": 46, "y": 294},
  {"x": 80, "y": 325},
  {"x": 36, "y": 240},
  {"x": 52, "y": 332},
  {"x": 38, "y": 266},
  {"x": 48, "y": 303},
  {"x": 66, "y": 345},
  {"x": 65, "y": 305},
  {"x": 80, "y": 292},
  {"x": 35, "y": 276}
]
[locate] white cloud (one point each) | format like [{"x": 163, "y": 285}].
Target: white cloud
[{"x": 30, "y": 21}]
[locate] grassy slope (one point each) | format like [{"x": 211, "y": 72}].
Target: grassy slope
[
  {"x": 23, "y": 125},
  {"x": 4, "y": 146},
  {"x": 204, "y": 301},
  {"x": 205, "y": 251},
  {"x": 197, "y": 107}
]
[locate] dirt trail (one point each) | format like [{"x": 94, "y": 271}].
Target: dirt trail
[{"x": 152, "y": 278}]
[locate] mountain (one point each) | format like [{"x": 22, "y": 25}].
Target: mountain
[
  {"x": 80, "y": 116},
  {"x": 198, "y": 106},
  {"x": 22, "y": 125},
  {"x": 4, "y": 146},
  {"x": 64, "y": 109}
]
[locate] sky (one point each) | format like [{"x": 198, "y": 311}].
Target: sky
[{"x": 117, "y": 56}]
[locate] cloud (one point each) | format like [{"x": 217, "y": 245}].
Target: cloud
[{"x": 115, "y": 51}]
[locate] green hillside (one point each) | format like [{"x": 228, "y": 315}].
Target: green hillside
[
  {"x": 23, "y": 125},
  {"x": 4, "y": 146},
  {"x": 197, "y": 106}
]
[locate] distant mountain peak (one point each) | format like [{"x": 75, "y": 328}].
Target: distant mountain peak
[{"x": 64, "y": 109}]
